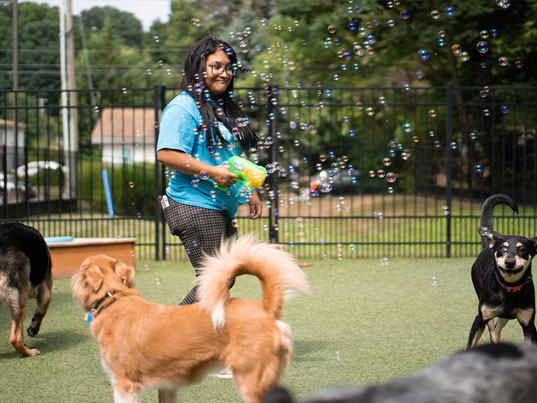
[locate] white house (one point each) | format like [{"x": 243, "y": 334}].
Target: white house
[
  {"x": 126, "y": 135},
  {"x": 12, "y": 141}
]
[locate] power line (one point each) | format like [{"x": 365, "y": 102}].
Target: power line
[{"x": 54, "y": 50}]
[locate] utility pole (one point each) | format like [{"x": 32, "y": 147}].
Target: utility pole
[
  {"x": 69, "y": 104},
  {"x": 71, "y": 84},
  {"x": 15, "y": 46}
]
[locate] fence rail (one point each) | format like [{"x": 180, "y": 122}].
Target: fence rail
[{"x": 353, "y": 172}]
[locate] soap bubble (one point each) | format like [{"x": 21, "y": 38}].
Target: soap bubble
[
  {"x": 503, "y": 3},
  {"x": 484, "y": 231},
  {"x": 502, "y": 61},
  {"x": 423, "y": 54},
  {"x": 242, "y": 121},
  {"x": 482, "y": 46}
]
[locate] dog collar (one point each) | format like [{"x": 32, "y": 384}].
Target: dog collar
[
  {"x": 97, "y": 308},
  {"x": 516, "y": 288}
]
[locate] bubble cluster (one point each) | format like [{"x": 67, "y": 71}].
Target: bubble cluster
[{"x": 351, "y": 39}]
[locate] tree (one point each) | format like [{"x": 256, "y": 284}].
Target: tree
[
  {"x": 38, "y": 37},
  {"x": 123, "y": 24}
]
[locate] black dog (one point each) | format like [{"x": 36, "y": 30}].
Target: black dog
[
  {"x": 500, "y": 373},
  {"x": 502, "y": 278},
  {"x": 25, "y": 272}
]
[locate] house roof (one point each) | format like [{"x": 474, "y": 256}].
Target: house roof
[
  {"x": 10, "y": 123},
  {"x": 124, "y": 123}
]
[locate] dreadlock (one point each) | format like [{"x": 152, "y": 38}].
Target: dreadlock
[{"x": 228, "y": 113}]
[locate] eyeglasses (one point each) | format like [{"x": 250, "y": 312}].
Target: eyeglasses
[{"x": 218, "y": 70}]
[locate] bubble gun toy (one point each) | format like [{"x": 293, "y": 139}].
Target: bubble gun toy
[{"x": 251, "y": 175}]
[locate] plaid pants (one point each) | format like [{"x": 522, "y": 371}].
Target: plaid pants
[{"x": 201, "y": 230}]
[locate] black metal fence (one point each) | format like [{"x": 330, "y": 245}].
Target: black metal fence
[{"x": 354, "y": 172}]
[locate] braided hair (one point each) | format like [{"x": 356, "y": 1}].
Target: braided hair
[{"x": 229, "y": 112}]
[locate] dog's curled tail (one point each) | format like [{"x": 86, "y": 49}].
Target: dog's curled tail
[
  {"x": 276, "y": 269},
  {"x": 486, "y": 212}
]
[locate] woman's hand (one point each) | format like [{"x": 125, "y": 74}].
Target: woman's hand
[
  {"x": 222, "y": 176},
  {"x": 256, "y": 207}
]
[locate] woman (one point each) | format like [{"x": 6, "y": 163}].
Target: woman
[{"x": 200, "y": 130}]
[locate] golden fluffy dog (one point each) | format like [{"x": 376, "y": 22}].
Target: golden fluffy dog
[{"x": 144, "y": 344}]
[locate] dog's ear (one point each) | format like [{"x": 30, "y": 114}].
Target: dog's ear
[
  {"x": 533, "y": 242},
  {"x": 94, "y": 277},
  {"x": 125, "y": 272},
  {"x": 492, "y": 238}
]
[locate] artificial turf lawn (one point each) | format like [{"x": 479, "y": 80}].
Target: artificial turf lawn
[{"x": 364, "y": 322}]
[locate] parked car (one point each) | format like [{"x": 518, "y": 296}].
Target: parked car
[
  {"x": 16, "y": 191},
  {"x": 342, "y": 181}
]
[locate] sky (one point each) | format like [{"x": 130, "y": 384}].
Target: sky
[{"x": 147, "y": 11}]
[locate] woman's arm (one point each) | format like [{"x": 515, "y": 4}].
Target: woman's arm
[
  {"x": 184, "y": 163},
  {"x": 256, "y": 207}
]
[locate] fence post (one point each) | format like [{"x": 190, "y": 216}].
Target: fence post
[
  {"x": 449, "y": 165},
  {"x": 157, "y": 96},
  {"x": 273, "y": 111}
]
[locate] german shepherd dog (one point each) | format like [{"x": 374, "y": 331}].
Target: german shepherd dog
[
  {"x": 502, "y": 278},
  {"x": 145, "y": 344},
  {"x": 25, "y": 272}
]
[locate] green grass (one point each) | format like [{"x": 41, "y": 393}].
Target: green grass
[{"x": 385, "y": 322}]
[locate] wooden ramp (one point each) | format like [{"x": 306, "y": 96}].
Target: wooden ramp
[{"x": 67, "y": 256}]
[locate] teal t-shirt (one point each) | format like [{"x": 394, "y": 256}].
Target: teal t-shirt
[{"x": 181, "y": 129}]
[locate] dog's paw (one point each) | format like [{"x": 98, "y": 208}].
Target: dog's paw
[
  {"x": 34, "y": 352},
  {"x": 32, "y": 331},
  {"x": 31, "y": 352}
]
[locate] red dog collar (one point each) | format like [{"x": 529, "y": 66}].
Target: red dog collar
[{"x": 515, "y": 288}]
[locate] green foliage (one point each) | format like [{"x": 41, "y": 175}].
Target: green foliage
[
  {"x": 334, "y": 42},
  {"x": 131, "y": 187},
  {"x": 38, "y": 26},
  {"x": 123, "y": 24}
]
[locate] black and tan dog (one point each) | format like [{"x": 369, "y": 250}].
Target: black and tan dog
[
  {"x": 502, "y": 278},
  {"x": 25, "y": 272}
]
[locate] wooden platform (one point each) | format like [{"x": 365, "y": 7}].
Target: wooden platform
[{"x": 68, "y": 256}]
